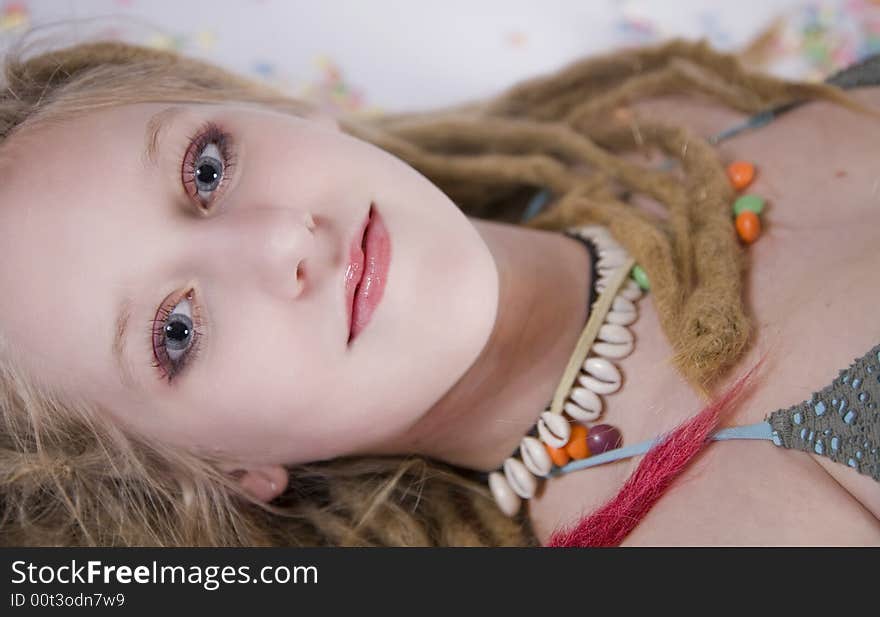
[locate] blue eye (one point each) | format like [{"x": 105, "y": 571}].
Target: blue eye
[
  {"x": 207, "y": 164},
  {"x": 209, "y": 169},
  {"x": 175, "y": 336}
]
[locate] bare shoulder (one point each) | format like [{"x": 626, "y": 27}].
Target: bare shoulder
[
  {"x": 706, "y": 117},
  {"x": 700, "y": 115},
  {"x": 867, "y": 96}
]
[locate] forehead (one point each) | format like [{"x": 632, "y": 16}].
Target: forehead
[
  {"x": 72, "y": 191},
  {"x": 55, "y": 124},
  {"x": 70, "y": 146}
]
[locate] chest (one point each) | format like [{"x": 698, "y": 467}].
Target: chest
[{"x": 811, "y": 294}]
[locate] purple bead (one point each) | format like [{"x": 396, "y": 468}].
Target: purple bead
[{"x": 603, "y": 437}]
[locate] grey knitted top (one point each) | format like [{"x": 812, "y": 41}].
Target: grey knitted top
[{"x": 841, "y": 421}]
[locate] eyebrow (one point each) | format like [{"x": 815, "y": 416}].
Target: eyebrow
[
  {"x": 156, "y": 126},
  {"x": 126, "y": 373}
]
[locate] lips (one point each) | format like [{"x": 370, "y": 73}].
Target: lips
[
  {"x": 355, "y": 270},
  {"x": 367, "y": 272}
]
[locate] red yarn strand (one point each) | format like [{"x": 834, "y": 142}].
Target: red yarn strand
[{"x": 612, "y": 522}]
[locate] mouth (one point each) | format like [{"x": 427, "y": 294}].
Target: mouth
[{"x": 367, "y": 272}]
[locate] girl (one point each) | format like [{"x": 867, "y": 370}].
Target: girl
[{"x": 231, "y": 319}]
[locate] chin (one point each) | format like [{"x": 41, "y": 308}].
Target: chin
[
  {"x": 459, "y": 290},
  {"x": 438, "y": 309}
]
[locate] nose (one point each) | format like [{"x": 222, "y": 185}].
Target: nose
[{"x": 269, "y": 246}]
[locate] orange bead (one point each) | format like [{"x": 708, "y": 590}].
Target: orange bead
[
  {"x": 741, "y": 174},
  {"x": 748, "y": 226},
  {"x": 558, "y": 455},
  {"x": 577, "y": 447}
]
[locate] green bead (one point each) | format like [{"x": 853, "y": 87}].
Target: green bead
[
  {"x": 640, "y": 277},
  {"x": 748, "y": 202}
]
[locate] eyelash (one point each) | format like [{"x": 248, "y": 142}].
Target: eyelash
[
  {"x": 157, "y": 337},
  {"x": 209, "y": 133}
]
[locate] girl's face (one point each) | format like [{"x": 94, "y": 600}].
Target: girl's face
[{"x": 102, "y": 243}]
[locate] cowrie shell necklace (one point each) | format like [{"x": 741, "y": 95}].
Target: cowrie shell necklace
[{"x": 560, "y": 432}]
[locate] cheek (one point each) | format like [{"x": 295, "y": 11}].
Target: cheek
[
  {"x": 263, "y": 391},
  {"x": 272, "y": 364}
]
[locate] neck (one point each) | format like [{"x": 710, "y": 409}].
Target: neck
[{"x": 544, "y": 283}]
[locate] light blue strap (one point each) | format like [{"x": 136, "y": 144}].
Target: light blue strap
[
  {"x": 537, "y": 202},
  {"x": 757, "y": 121},
  {"x": 761, "y": 430}
]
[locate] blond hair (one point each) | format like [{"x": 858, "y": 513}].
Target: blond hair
[{"x": 69, "y": 478}]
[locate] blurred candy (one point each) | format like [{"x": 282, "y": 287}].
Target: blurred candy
[
  {"x": 577, "y": 444},
  {"x": 748, "y": 226},
  {"x": 603, "y": 437},
  {"x": 641, "y": 277},
  {"x": 741, "y": 174},
  {"x": 748, "y": 202},
  {"x": 558, "y": 455}
]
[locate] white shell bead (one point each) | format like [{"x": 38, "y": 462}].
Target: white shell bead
[
  {"x": 605, "y": 272},
  {"x": 553, "y": 429},
  {"x": 622, "y": 305},
  {"x": 603, "y": 245},
  {"x": 613, "y": 351},
  {"x": 611, "y": 259},
  {"x": 621, "y": 319},
  {"x": 507, "y": 500},
  {"x": 587, "y": 400},
  {"x": 623, "y": 311},
  {"x": 618, "y": 341},
  {"x": 615, "y": 334},
  {"x": 600, "y": 376},
  {"x": 579, "y": 413},
  {"x": 519, "y": 478},
  {"x": 535, "y": 456},
  {"x": 573, "y": 409},
  {"x": 592, "y": 231},
  {"x": 631, "y": 290}
]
